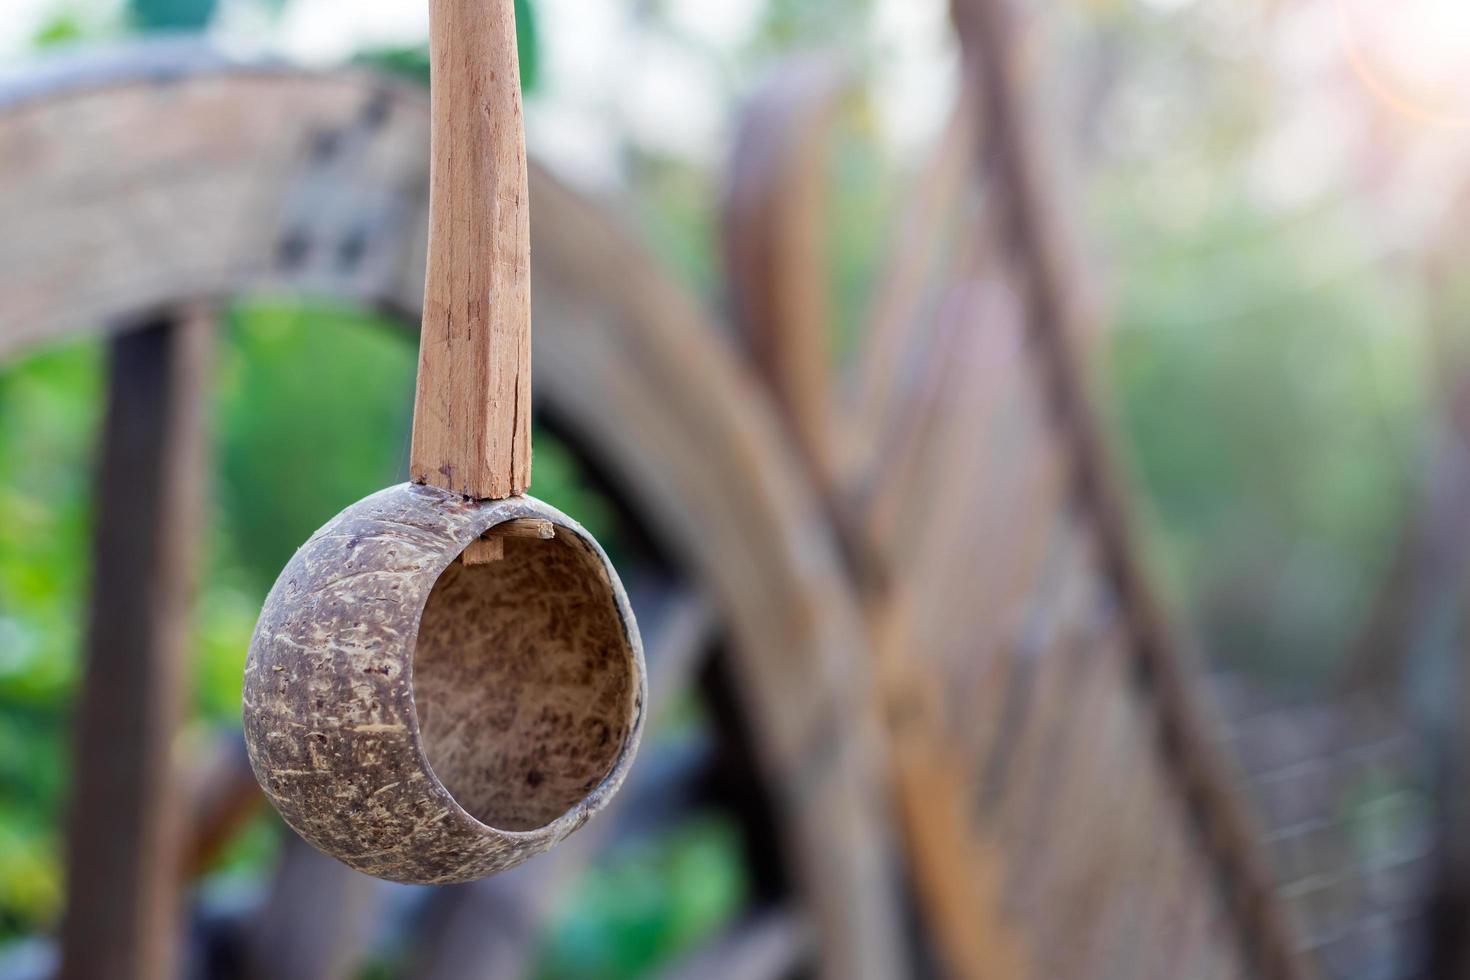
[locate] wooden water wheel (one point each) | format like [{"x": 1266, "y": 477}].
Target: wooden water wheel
[{"x": 963, "y": 714}]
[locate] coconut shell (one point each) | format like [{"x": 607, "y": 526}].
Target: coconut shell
[{"x": 428, "y": 720}]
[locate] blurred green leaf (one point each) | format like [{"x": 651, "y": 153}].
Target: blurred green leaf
[
  {"x": 314, "y": 411},
  {"x": 410, "y": 63},
  {"x": 645, "y": 905},
  {"x": 528, "y": 41},
  {"x": 172, "y": 15},
  {"x": 60, "y": 29},
  {"x": 413, "y": 63},
  {"x": 1273, "y": 406},
  {"x": 49, "y": 411}
]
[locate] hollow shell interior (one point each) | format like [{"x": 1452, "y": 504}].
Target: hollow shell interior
[{"x": 524, "y": 681}]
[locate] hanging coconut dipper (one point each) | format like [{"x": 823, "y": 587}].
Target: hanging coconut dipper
[{"x": 447, "y": 679}]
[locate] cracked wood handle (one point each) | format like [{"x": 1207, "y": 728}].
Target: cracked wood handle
[{"x": 472, "y": 413}]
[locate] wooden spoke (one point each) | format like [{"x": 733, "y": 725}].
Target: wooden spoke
[
  {"x": 934, "y": 251},
  {"x": 124, "y": 820},
  {"x": 222, "y": 795},
  {"x": 737, "y": 512}
]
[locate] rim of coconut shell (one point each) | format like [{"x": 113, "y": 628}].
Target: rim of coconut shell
[{"x": 492, "y": 513}]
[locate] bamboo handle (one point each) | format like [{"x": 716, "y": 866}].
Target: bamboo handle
[{"x": 472, "y": 413}]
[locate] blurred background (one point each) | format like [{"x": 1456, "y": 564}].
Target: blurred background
[{"x": 1264, "y": 210}]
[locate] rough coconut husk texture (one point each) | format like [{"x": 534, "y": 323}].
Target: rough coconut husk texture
[{"x": 429, "y": 721}]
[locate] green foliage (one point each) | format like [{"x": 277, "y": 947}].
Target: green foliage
[
  {"x": 312, "y": 411},
  {"x": 64, "y": 28},
  {"x": 49, "y": 418},
  {"x": 794, "y": 24},
  {"x": 1381, "y": 813},
  {"x": 409, "y": 63},
  {"x": 48, "y": 414},
  {"x": 646, "y": 905},
  {"x": 313, "y": 415},
  {"x": 560, "y": 481},
  {"x": 172, "y": 15},
  {"x": 413, "y": 63},
  {"x": 1274, "y": 416},
  {"x": 528, "y": 43},
  {"x": 678, "y": 219}
]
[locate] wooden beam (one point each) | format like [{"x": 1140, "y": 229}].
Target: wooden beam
[
  {"x": 125, "y": 814},
  {"x": 472, "y": 417}
]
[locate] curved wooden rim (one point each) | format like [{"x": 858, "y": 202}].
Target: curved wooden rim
[{"x": 225, "y": 163}]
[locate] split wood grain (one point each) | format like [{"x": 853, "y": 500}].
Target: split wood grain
[
  {"x": 491, "y": 546},
  {"x": 472, "y": 416},
  {"x": 528, "y": 528},
  {"x": 485, "y": 551}
]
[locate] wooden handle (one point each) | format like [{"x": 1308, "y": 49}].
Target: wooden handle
[{"x": 472, "y": 414}]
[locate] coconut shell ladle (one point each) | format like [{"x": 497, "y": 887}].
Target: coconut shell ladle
[{"x": 447, "y": 679}]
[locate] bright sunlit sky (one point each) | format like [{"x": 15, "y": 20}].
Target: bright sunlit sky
[
  {"x": 1337, "y": 69},
  {"x": 603, "y": 76}
]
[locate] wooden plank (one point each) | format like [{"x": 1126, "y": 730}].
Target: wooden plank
[
  {"x": 950, "y": 429},
  {"x": 125, "y": 820},
  {"x": 472, "y": 416},
  {"x": 958, "y": 868},
  {"x": 1059, "y": 841},
  {"x": 967, "y": 367}
]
